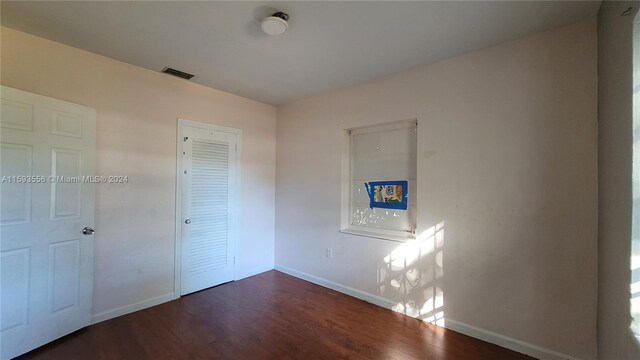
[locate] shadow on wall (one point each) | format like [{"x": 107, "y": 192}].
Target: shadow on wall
[{"x": 412, "y": 274}]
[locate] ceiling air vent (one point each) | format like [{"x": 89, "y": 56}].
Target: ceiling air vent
[{"x": 178, "y": 73}]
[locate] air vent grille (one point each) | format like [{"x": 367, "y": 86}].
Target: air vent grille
[{"x": 178, "y": 73}]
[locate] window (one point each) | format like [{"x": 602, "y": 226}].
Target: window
[{"x": 379, "y": 181}]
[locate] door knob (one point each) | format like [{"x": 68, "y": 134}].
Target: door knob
[
  {"x": 188, "y": 221},
  {"x": 88, "y": 231}
]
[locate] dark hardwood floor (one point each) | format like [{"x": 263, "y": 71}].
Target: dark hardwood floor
[{"x": 268, "y": 316}]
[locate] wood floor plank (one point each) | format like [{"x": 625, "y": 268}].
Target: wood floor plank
[{"x": 268, "y": 316}]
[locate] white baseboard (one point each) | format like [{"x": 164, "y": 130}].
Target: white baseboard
[
  {"x": 127, "y": 309},
  {"x": 374, "y": 299},
  {"x": 506, "y": 342},
  {"x": 457, "y": 326},
  {"x": 123, "y": 310},
  {"x": 253, "y": 271}
]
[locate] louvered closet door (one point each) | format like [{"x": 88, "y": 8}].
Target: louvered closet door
[{"x": 209, "y": 205}]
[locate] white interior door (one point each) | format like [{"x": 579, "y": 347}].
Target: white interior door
[
  {"x": 46, "y": 262},
  {"x": 208, "y": 213}
]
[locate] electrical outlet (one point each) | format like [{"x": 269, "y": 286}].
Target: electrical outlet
[{"x": 330, "y": 253}]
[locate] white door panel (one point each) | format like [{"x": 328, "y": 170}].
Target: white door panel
[
  {"x": 208, "y": 209},
  {"x": 46, "y": 261},
  {"x": 15, "y": 204}
]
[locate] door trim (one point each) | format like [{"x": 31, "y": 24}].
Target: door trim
[{"x": 235, "y": 219}]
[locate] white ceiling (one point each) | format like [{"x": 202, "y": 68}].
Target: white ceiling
[{"x": 329, "y": 44}]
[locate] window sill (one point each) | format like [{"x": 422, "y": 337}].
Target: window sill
[{"x": 377, "y": 235}]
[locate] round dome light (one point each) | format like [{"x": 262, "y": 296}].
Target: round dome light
[{"x": 275, "y": 24}]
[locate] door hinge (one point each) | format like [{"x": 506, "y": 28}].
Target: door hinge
[{"x": 185, "y": 138}]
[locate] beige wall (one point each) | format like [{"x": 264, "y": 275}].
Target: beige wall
[
  {"x": 507, "y": 155},
  {"x": 506, "y": 162},
  {"x": 136, "y": 136},
  {"x": 615, "y": 116}
]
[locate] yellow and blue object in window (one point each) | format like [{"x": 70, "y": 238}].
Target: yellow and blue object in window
[{"x": 388, "y": 194}]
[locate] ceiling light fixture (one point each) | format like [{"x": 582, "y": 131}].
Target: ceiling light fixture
[{"x": 275, "y": 24}]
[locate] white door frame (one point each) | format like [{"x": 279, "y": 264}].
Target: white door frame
[{"x": 235, "y": 219}]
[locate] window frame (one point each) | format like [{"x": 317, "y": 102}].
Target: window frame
[{"x": 346, "y": 188}]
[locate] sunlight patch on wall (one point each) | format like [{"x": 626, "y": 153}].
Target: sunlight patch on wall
[{"x": 412, "y": 275}]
